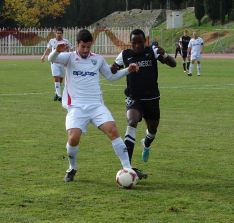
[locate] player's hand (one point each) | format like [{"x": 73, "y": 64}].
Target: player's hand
[
  {"x": 133, "y": 67},
  {"x": 160, "y": 51},
  {"x": 43, "y": 59},
  {"x": 114, "y": 68},
  {"x": 61, "y": 47}
]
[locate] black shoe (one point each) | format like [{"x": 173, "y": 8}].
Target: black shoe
[
  {"x": 60, "y": 99},
  {"x": 140, "y": 174},
  {"x": 56, "y": 97},
  {"x": 189, "y": 74},
  {"x": 70, "y": 175}
]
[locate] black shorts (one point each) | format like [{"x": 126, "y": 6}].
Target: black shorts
[
  {"x": 184, "y": 53},
  {"x": 149, "y": 109}
]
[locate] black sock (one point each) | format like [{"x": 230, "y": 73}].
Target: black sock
[
  {"x": 188, "y": 64},
  {"x": 130, "y": 146},
  {"x": 184, "y": 66},
  {"x": 148, "y": 140}
]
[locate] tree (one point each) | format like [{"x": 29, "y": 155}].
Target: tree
[
  {"x": 213, "y": 10},
  {"x": 177, "y": 3},
  {"x": 28, "y": 13},
  {"x": 199, "y": 10},
  {"x": 127, "y": 4},
  {"x": 228, "y": 8}
]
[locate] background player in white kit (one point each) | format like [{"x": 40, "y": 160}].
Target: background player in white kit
[
  {"x": 195, "y": 49},
  {"x": 58, "y": 70},
  {"x": 82, "y": 97}
]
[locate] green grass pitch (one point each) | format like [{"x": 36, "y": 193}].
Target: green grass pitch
[{"x": 191, "y": 172}]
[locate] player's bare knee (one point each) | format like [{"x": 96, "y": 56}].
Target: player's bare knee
[{"x": 73, "y": 141}]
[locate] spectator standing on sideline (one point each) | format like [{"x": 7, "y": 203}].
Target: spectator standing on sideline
[
  {"x": 58, "y": 70},
  {"x": 142, "y": 92}
]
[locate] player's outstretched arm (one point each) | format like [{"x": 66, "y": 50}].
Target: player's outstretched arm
[{"x": 109, "y": 75}]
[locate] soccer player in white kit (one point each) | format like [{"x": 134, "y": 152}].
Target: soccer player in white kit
[
  {"x": 195, "y": 49},
  {"x": 58, "y": 70},
  {"x": 82, "y": 97}
]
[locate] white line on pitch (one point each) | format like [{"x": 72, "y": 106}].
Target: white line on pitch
[{"x": 24, "y": 94}]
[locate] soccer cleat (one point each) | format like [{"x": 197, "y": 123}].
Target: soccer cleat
[
  {"x": 145, "y": 152},
  {"x": 141, "y": 175},
  {"x": 60, "y": 99},
  {"x": 198, "y": 74},
  {"x": 189, "y": 74},
  {"x": 56, "y": 97},
  {"x": 70, "y": 173}
]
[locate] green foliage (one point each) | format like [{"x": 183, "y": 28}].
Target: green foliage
[
  {"x": 199, "y": 10},
  {"x": 191, "y": 163},
  {"x": 29, "y": 13}
]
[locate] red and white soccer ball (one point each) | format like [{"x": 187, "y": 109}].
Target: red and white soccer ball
[{"x": 126, "y": 178}]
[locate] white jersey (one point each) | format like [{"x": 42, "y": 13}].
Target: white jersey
[
  {"x": 53, "y": 43},
  {"x": 82, "y": 77},
  {"x": 196, "y": 46}
]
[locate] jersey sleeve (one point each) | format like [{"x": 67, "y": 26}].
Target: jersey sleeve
[
  {"x": 190, "y": 44},
  {"x": 119, "y": 59},
  {"x": 61, "y": 58},
  {"x": 106, "y": 72},
  {"x": 49, "y": 45},
  {"x": 202, "y": 41}
]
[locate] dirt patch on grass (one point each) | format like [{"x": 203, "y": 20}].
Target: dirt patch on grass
[{"x": 211, "y": 37}]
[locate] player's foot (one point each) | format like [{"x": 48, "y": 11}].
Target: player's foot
[
  {"x": 141, "y": 175},
  {"x": 59, "y": 99},
  {"x": 145, "y": 152},
  {"x": 189, "y": 74},
  {"x": 198, "y": 74},
  {"x": 70, "y": 173},
  {"x": 185, "y": 71},
  {"x": 56, "y": 97}
]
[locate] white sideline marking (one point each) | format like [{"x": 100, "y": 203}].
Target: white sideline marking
[{"x": 24, "y": 94}]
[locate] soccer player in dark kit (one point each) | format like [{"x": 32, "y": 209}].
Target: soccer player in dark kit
[
  {"x": 184, "y": 41},
  {"x": 142, "y": 92}
]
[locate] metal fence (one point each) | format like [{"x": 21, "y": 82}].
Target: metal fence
[{"x": 108, "y": 40}]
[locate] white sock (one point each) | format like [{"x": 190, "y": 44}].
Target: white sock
[
  {"x": 57, "y": 88},
  {"x": 198, "y": 69},
  {"x": 130, "y": 134},
  {"x": 122, "y": 152},
  {"x": 71, "y": 152},
  {"x": 191, "y": 68}
]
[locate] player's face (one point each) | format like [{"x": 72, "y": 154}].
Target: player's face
[
  {"x": 84, "y": 48},
  {"x": 59, "y": 35},
  {"x": 138, "y": 43}
]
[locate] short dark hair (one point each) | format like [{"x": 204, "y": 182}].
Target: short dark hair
[
  {"x": 137, "y": 32},
  {"x": 84, "y": 35},
  {"x": 60, "y": 29}
]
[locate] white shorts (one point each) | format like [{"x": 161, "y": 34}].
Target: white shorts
[
  {"x": 58, "y": 70},
  {"x": 196, "y": 57},
  {"x": 80, "y": 117}
]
